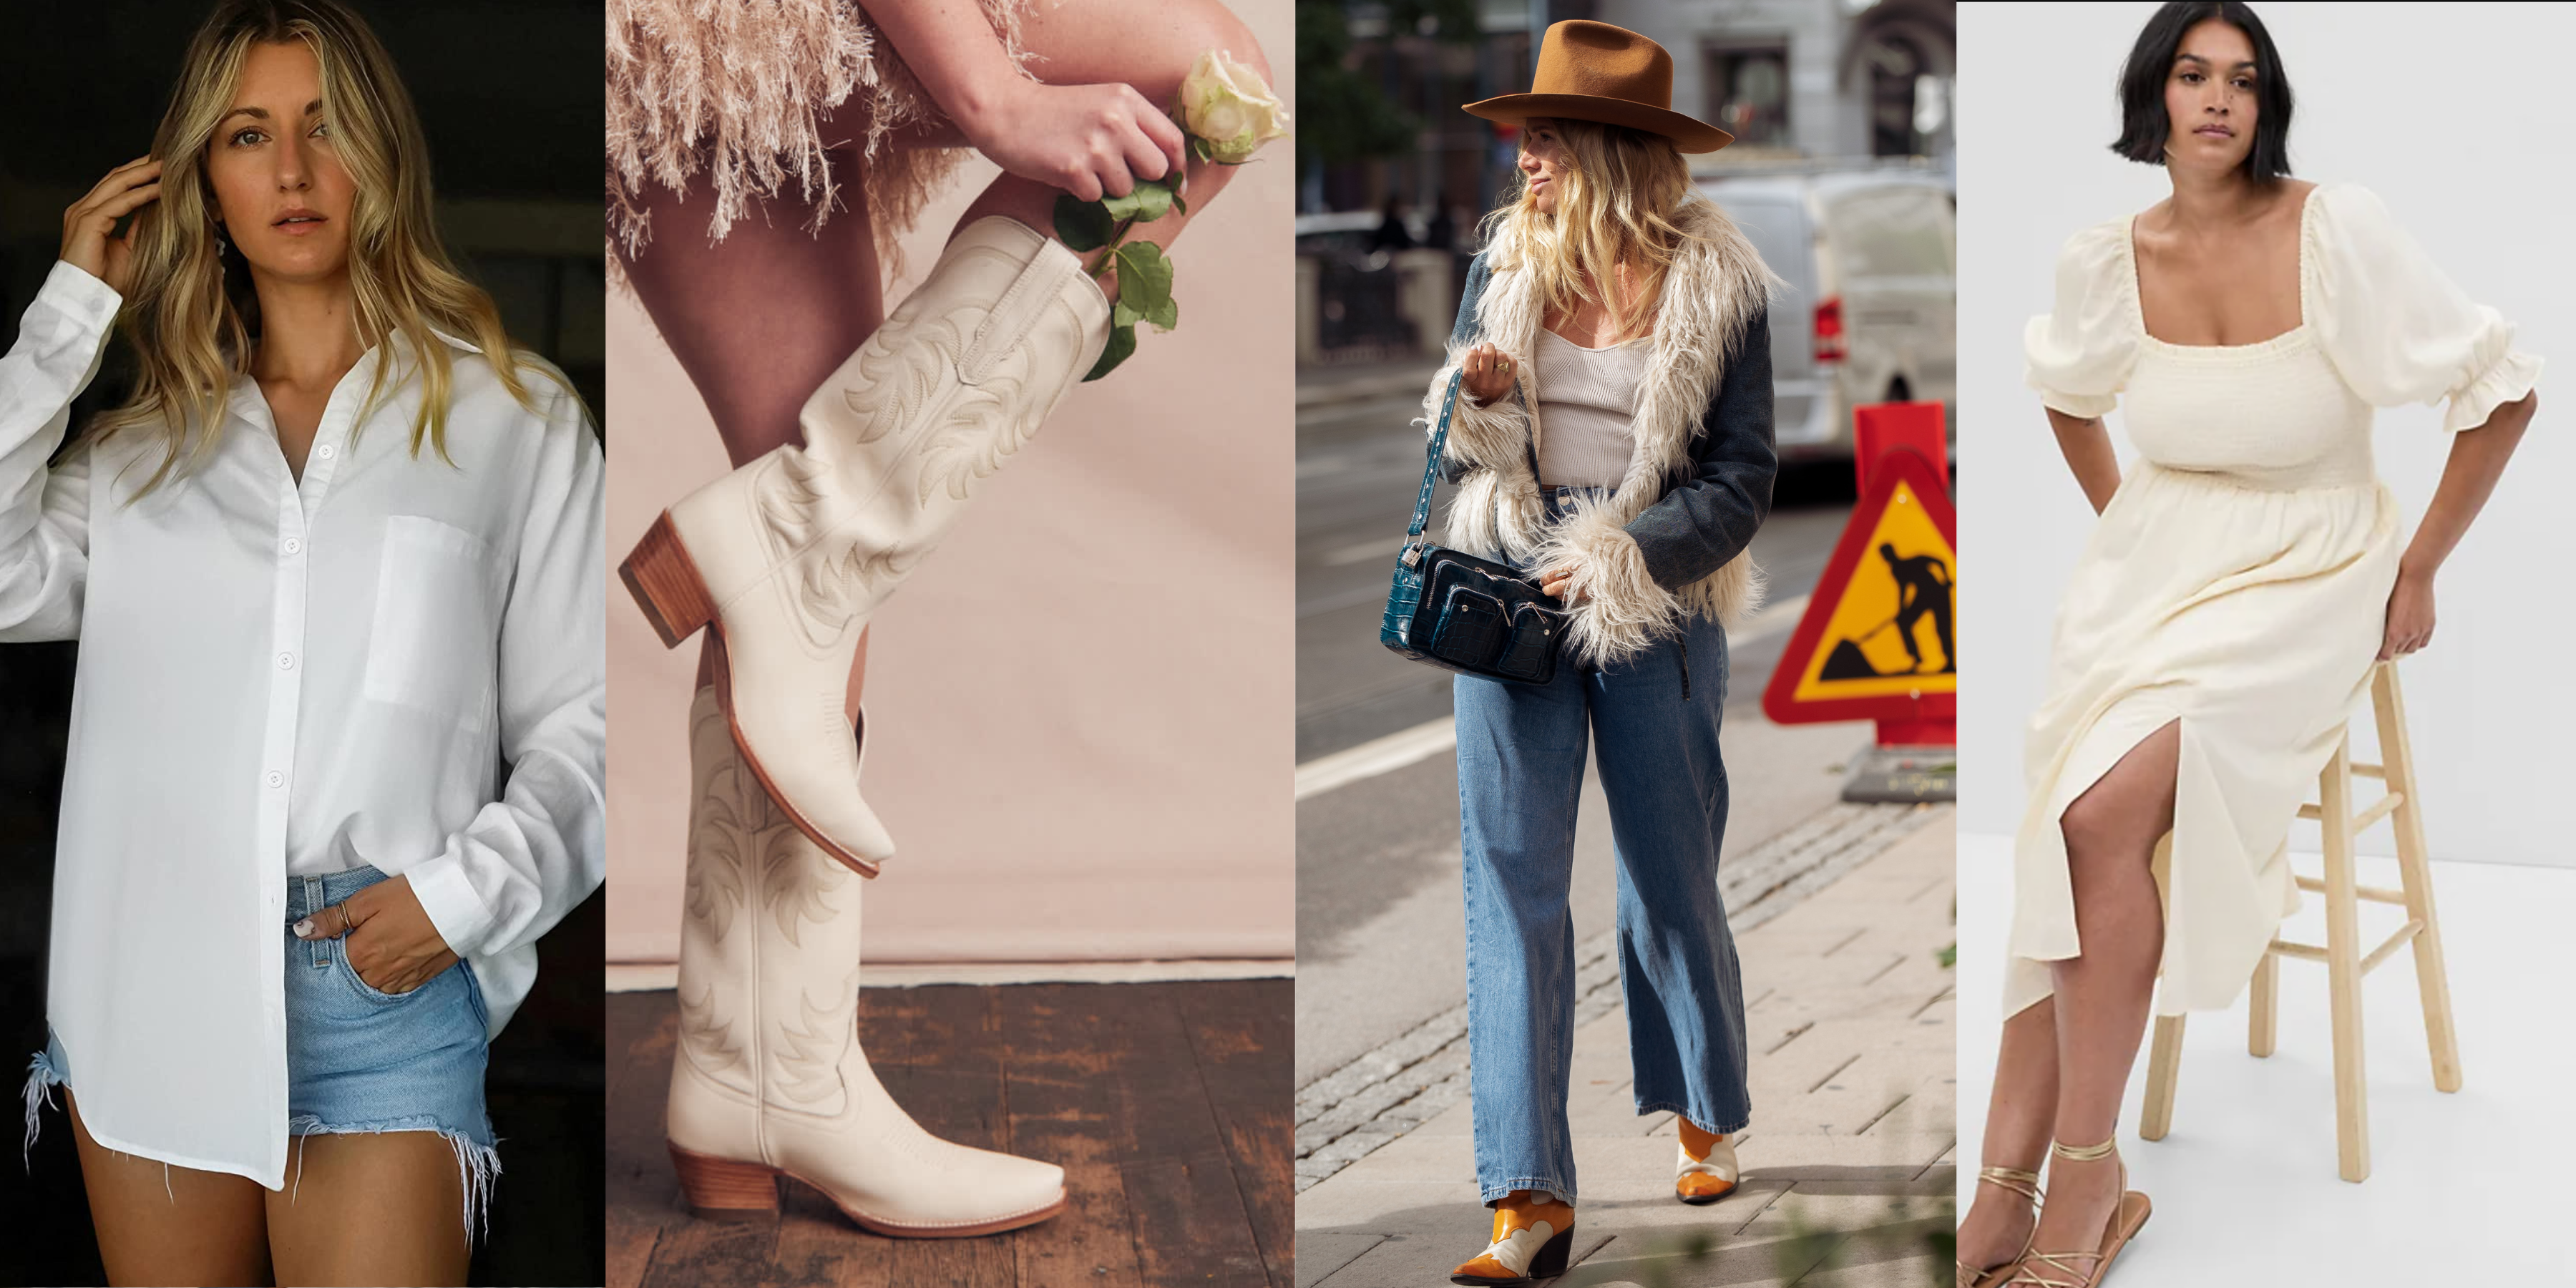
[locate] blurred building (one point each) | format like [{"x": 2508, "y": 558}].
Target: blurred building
[{"x": 1802, "y": 84}]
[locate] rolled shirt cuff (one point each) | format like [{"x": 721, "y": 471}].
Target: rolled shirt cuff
[{"x": 450, "y": 901}]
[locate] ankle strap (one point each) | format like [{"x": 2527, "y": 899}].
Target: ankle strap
[
  {"x": 2085, "y": 1153},
  {"x": 2014, "y": 1179},
  {"x": 2056, "y": 1261}
]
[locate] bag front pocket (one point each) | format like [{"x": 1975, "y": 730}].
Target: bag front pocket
[
  {"x": 1470, "y": 632},
  {"x": 434, "y": 641},
  {"x": 1530, "y": 653}
]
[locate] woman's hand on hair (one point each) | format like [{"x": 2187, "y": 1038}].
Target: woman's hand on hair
[
  {"x": 389, "y": 938},
  {"x": 87, "y": 224},
  {"x": 1090, "y": 140},
  {"x": 1489, "y": 373}
]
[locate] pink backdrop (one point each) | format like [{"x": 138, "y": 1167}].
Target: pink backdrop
[{"x": 1070, "y": 771}]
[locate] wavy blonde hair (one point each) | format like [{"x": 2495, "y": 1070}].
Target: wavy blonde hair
[
  {"x": 1617, "y": 193},
  {"x": 190, "y": 310}
]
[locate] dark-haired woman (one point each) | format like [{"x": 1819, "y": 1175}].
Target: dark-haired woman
[{"x": 2225, "y": 616}]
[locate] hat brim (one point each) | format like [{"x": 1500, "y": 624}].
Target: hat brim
[{"x": 1687, "y": 134}]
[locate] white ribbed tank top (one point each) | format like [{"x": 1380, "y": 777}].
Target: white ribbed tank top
[{"x": 1587, "y": 407}]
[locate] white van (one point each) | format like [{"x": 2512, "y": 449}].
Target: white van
[{"x": 1869, "y": 314}]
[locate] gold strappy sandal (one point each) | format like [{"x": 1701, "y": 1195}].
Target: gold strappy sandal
[
  {"x": 2088, "y": 1267},
  {"x": 2017, "y": 1181}
]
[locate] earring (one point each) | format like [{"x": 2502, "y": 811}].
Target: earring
[{"x": 223, "y": 247}]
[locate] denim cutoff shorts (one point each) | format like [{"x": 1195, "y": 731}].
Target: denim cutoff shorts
[{"x": 358, "y": 1060}]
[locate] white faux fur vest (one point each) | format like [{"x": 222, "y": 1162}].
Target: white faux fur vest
[{"x": 1712, "y": 291}]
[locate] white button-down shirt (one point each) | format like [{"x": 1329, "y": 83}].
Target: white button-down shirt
[{"x": 284, "y": 677}]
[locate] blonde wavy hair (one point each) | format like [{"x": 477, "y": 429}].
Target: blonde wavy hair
[
  {"x": 190, "y": 310},
  {"x": 1616, "y": 194}
]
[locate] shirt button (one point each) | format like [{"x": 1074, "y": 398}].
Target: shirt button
[
  {"x": 325, "y": 450},
  {"x": 276, "y": 779},
  {"x": 293, "y": 545},
  {"x": 286, "y": 661}
]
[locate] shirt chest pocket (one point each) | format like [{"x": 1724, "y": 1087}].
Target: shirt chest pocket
[{"x": 435, "y": 634}]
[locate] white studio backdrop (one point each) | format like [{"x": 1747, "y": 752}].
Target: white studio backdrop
[{"x": 2459, "y": 126}]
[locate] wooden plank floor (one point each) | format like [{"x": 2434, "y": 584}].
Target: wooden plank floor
[{"x": 1168, "y": 1105}]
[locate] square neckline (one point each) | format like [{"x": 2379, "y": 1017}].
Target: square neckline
[{"x": 2138, "y": 304}]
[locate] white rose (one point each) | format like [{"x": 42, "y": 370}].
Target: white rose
[{"x": 1226, "y": 103}]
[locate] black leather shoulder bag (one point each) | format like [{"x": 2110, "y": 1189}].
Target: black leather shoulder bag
[{"x": 1461, "y": 613}]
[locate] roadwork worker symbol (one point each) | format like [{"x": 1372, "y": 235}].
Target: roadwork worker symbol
[
  {"x": 1887, "y": 622},
  {"x": 1923, "y": 589}
]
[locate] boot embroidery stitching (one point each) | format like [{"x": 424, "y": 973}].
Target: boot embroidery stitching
[
  {"x": 795, "y": 877},
  {"x": 827, "y": 589},
  {"x": 808, "y": 1063},
  {"x": 977, "y": 436},
  {"x": 708, "y": 1041}
]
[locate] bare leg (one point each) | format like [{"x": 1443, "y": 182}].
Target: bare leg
[
  {"x": 2019, "y": 1117},
  {"x": 370, "y": 1209},
  {"x": 760, "y": 319},
  {"x": 170, "y": 1225},
  {"x": 2103, "y": 995}
]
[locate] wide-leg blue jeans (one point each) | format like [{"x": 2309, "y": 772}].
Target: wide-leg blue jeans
[{"x": 1653, "y": 724}]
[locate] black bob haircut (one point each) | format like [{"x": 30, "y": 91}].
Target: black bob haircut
[{"x": 2143, "y": 126}]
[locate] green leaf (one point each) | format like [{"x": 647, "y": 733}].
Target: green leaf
[
  {"x": 1150, "y": 200},
  {"x": 1144, "y": 277},
  {"x": 1124, "y": 314},
  {"x": 1179, "y": 206},
  {"x": 1165, "y": 317},
  {"x": 1122, "y": 342},
  {"x": 1083, "y": 225}
]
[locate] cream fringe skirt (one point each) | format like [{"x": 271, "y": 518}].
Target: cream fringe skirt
[{"x": 744, "y": 96}]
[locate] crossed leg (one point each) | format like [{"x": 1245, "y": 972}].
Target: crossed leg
[
  {"x": 2064, "y": 1062},
  {"x": 762, "y": 318}
]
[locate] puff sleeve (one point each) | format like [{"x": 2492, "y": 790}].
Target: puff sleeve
[
  {"x": 2395, "y": 327},
  {"x": 2079, "y": 354}
]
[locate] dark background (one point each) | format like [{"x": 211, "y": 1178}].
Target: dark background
[{"x": 509, "y": 94}]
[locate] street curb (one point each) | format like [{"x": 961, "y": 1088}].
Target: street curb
[{"x": 1349, "y": 1113}]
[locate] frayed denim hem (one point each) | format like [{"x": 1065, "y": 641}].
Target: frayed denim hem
[
  {"x": 1645, "y": 1107},
  {"x": 478, "y": 1166},
  {"x": 1554, "y": 1188},
  {"x": 42, "y": 1078}
]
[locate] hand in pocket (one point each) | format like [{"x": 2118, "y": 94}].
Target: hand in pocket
[{"x": 386, "y": 934}]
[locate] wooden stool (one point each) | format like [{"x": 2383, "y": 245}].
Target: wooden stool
[{"x": 2345, "y": 962}]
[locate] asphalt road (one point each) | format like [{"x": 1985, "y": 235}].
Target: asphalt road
[{"x": 1379, "y": 933}]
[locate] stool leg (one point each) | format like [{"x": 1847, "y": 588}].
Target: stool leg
[
  {"x": 2343, "y": 968},
  {"x": 2164, "y": 1065},
  {"x": 2432, "y": 978},
  {"x": 2263, "y": 1019}
]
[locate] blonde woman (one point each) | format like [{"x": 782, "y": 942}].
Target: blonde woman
[
  {"x": 1614, "y": 438},
  {"x": 335, "y": 559},
  {"x": 760, "y": 157}
]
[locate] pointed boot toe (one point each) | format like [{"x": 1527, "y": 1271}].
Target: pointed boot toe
[{"x": 769, "y": 1081}]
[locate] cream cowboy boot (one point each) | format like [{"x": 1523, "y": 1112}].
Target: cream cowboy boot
[
  {"x": 788, "y": 556},
  {"x": 769, "y": 1080}
]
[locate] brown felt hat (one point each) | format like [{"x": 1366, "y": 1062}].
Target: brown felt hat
[{"x": 1592, "y": 71}]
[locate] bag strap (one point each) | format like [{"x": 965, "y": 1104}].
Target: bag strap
[{"x": 1431, "y": 467}]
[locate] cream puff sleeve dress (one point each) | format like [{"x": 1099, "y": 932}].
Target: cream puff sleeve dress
[{"x": 2238, "y": 582}]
